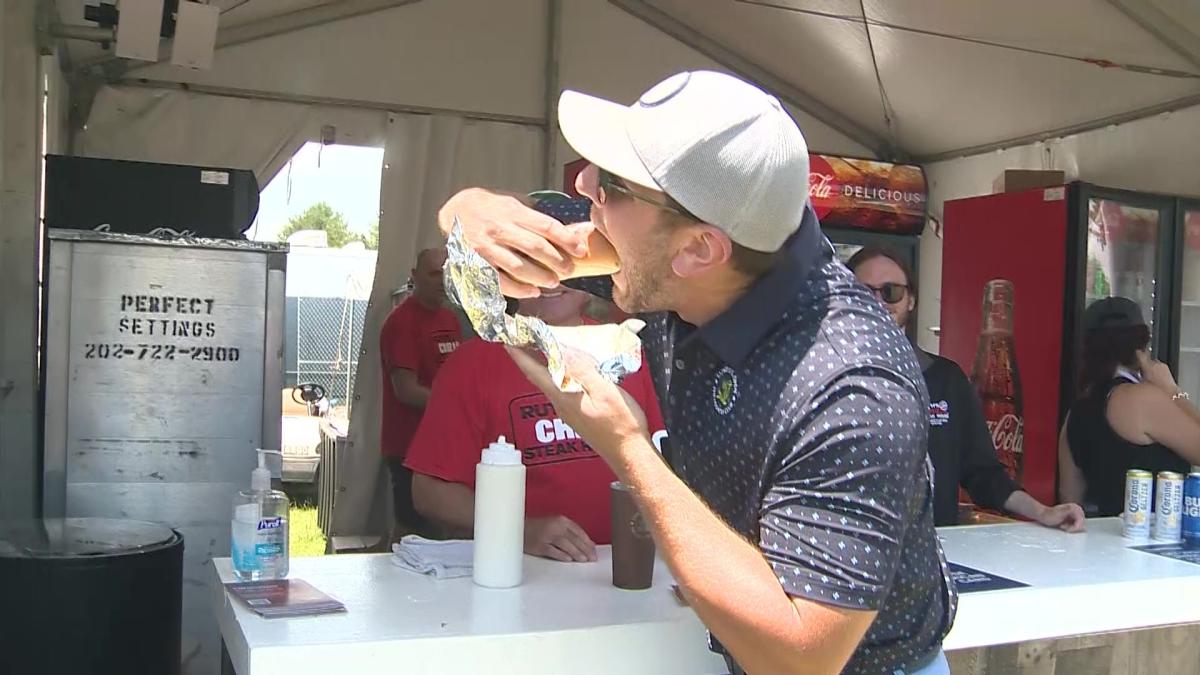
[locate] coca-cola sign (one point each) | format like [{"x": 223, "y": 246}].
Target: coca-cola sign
[
  {"x": 856, "y": 193},
  {"x": 1008, "y": 434},
  {"x": 867, "y": 195}
]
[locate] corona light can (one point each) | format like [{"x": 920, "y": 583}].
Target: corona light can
[
  {"x": 1168, "y": 506},
  {"x": 1139, "y": 485},
  {"x": 1191, "y": 508}
]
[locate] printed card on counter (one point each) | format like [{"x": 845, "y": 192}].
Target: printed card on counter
[
  {"x": 1187, "y": 552},
  {"x": 284, "y": 598},
  {"x": 971, "y": 580}
]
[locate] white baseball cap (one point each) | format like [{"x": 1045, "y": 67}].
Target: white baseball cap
[{"x": 724, "y": 149}]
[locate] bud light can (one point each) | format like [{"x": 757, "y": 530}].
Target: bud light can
[
  {"x": 1168, "y": 505},
  {"x": 1191, "y": 508},
  {"x": 1139, "y": 486}
]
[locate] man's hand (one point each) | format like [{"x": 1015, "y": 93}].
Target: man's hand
[
  {"x": 558, "y": 538},
  {"x": 604, "y": 415},
  {"x": 1066, "y": 517},
  {"x": 529, "y": 249}
]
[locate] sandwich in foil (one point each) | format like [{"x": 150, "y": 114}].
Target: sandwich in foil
[{"x": 474, "y": 285}]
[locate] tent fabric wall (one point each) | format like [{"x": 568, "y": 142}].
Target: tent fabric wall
[
  {"x": 161, "y": 126},
  {"x": 21, "y": 81},
  {"x": 427, "y": 158},
  {"x": 1157, "y": 154}
]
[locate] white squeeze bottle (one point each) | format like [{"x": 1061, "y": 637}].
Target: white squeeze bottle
[
  {"x": 259, "y": 531},
  {"x": 499, "y": 516}
]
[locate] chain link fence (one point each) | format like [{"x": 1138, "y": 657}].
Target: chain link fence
[{"x": 328, "y": 339}]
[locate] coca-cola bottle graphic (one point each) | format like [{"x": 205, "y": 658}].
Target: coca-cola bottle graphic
[{"x": 996, "y": 377}]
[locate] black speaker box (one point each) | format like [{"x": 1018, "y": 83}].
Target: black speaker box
[{"x": 84, "y": 193}]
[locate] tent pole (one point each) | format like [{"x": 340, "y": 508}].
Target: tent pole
[
  {"x": 250, "y": 94},
  {"x": 20, "y": 253},
  {"x": 553, "y": 52},
  {"x": 1164, "y": 27}
]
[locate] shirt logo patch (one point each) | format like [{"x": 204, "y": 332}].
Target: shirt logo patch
[
  {"x": 444, "y": 344},
  {"x": 725, "y": 390},
  {"x": 939, "y": 413},
  {"x": 541, "y": 435}
]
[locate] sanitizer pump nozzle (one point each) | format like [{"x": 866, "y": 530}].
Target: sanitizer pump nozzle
[{"x": 260, "y": 477}]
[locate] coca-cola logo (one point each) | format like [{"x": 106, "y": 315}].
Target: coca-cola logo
[
  {"x": 822, "y": 185},
  {"x": 1008, "y": 433}
]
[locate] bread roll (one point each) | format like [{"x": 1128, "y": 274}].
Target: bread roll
[{"x": 601, "y": 259}]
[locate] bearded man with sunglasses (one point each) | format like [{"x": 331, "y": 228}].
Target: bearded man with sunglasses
[
  {"x": 960, "y": 444},
  {"x": 794, "y": 508}
]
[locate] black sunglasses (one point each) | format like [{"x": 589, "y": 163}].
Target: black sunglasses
[
  {"x": 890, "y": 293},
  {"x": 609, "y": 182}
]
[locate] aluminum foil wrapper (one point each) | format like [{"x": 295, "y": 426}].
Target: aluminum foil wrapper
[{"x": 474, "y": 285}]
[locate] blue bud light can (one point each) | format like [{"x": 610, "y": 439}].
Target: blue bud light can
[{"x": 1191, "y": 507}]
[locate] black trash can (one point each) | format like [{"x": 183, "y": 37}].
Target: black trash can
[{"x": 90, "y": 595}]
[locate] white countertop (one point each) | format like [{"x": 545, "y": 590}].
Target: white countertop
[
  {"x": 1078, "y": 584},
  {"x": 569, "y": 618},
  {"x": 564, "y": 618}
]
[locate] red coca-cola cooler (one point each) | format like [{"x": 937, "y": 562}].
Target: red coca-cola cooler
[{"x": 1058, "y": 249}]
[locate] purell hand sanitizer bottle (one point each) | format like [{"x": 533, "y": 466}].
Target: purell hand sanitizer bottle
[{"x": 259, "y": 529}]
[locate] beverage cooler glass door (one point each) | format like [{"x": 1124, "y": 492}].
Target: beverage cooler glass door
[
  {"x": 1188, "y": 372},
  {"x": 1125, "y": 251}
]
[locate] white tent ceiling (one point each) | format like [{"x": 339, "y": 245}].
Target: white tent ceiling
[
  {"x": 917, "y": 79},
  {"x": 948, "y": 91}
]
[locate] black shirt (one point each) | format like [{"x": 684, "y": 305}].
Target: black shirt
[
  {"x": 1103, "y": 456},
  {"x": 959, "y": 443},
  {"x": 799, "y": 416}
]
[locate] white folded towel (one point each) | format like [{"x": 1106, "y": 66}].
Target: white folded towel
[{"x": 438, "y": 559}]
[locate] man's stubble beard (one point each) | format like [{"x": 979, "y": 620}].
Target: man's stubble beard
[{"x": 646, "y": 286}]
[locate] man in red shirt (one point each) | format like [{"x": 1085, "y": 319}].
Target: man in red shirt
[
  {"x": 416, "y": 339},
  {"x": 480, "y": 395}
]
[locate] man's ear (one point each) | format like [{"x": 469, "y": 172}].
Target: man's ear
[{"x": 700, "y": 248}]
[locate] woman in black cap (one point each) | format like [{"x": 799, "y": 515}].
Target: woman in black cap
[{"x": 1130, "y": 413}]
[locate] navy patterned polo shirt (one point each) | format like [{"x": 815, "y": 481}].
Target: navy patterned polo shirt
[{"x": 799, "y": 415}]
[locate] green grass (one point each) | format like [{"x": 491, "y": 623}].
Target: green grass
[{"x": 304, "y": 537}]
